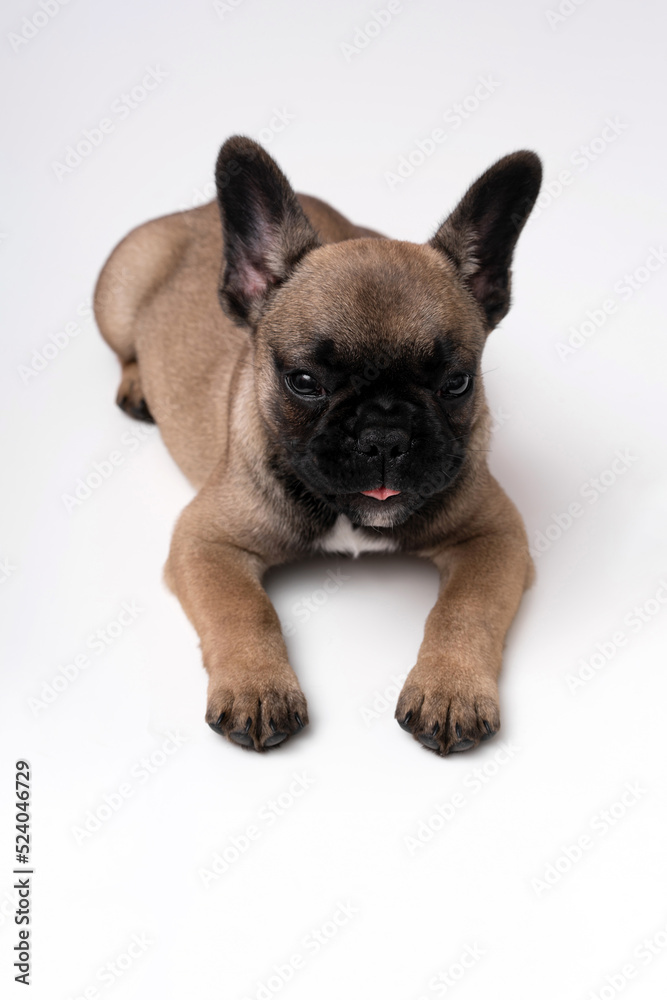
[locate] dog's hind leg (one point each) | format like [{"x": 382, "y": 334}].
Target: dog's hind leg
[
  {"x": 128, "y": 278},
  {"x": 116, "y": 302},
  {"x": 130, "y": 395}
]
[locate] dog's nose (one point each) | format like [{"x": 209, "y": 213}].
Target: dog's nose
[{"x": 390, "y": 442}]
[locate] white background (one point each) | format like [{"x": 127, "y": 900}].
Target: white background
[{"x": 476, "y": 883}]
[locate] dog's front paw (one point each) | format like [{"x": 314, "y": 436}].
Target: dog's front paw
[
  {"x": 257, "y": 713},
  {"x": 446, "y": 712}
]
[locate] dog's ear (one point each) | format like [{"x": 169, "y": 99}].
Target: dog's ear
[
  {"x": 265, "y": 230},
  {"x": 480, "y": 235}
]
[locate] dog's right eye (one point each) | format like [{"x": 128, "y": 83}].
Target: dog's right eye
[
  {"x": 304, "y": 384},
  {"x": 457, "y": 385}
]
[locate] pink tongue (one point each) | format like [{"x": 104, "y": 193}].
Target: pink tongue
[{"x": 380, "y": 494}]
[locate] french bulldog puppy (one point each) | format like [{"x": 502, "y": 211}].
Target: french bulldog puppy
[{"x": 333, "y": 404}]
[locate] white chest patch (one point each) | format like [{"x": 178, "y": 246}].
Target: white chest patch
[{"x": 344, "y": 538}]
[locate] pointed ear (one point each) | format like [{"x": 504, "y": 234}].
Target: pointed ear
[
  {"x": 265, "y": 230},
  {"x": 480, "y": 235}
]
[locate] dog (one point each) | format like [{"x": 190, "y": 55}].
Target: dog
[{"x": 334, "y": 404}]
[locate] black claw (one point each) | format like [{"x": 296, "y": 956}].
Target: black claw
[
  {"x": 489, "y": 732},
  {"x": 144, "y": 413},
  {"x": 435, "y": 729},
  {"x": 405, "y": 723},
  {"x": 217, "y": 725},
  {"x": 247, "y": 725},
  {"x": 272, "y": 725},
  {"x": 458, "y": 731},
  {"x": 462, "y": 745},
  {"x": 428, "y": 740},
  {"x": 243, "y": 739},
  {"x": 139, "y": 411},
  {"x": 298, "y": 720},
  {"x": 275, "y": 739}
]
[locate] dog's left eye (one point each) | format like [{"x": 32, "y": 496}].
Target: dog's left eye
[
  {"x": 457, "y": 385},
  {"x": 304, "y": 384}
]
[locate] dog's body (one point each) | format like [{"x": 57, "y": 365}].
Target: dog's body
[{"x": 337, "y": 407}]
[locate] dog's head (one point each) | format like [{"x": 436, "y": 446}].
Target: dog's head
[{"x": 367, "y": 352}]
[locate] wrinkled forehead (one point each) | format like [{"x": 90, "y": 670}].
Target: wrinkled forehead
[{"x": 368, "y": 298}]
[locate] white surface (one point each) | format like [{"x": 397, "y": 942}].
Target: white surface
[{"x": 560, "y": 424}]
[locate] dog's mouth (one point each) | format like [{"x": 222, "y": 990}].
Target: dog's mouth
[
  {"x": 383, "y": 493},
  {"x": 382, "y": 507}
]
